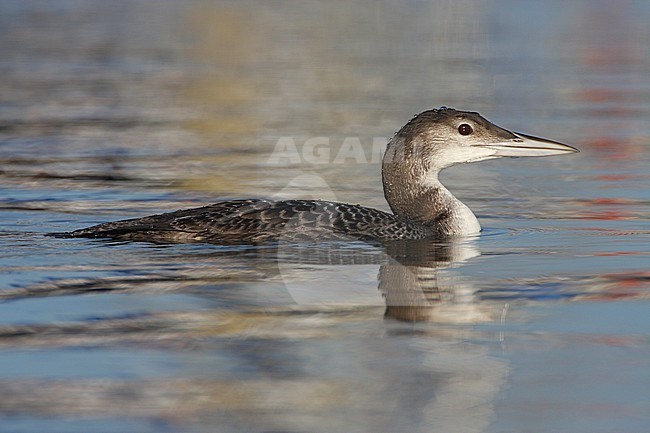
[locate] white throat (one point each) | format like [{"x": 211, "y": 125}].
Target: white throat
[{"x": 461, "y": 220}]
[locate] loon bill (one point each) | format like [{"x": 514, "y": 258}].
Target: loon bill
[{"x": 422, "y": 207}]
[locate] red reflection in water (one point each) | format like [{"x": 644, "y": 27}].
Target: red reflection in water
[
  {"x": 620, "y": 253},
  {"x": 609, "y": 201},
  {"x": 614, "y": 177},
  {"x": 608, "y": 32},
  {"x": 614, "y": 341},
  {"x": 606, "y": 209},
  {"x": 611, "y": 148},
  {"x": 605, "y": 95},
  {"x": 607, "y": 216},
  {"x": 609, "y": 37},
  {"x": 623, "y": 286}
]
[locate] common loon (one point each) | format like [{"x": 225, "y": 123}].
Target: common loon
[{"x": 422, "y": 207}]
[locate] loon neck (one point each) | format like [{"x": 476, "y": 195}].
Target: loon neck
[{"x": 430, "y": 204}]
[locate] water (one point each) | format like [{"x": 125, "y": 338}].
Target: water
[{"x": 123, "y": 109}]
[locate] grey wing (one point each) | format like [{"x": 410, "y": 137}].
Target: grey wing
[
  {"x": 366, "y": 223},
  {"x": 257, "y": 221},
  {"x": 226, "y": 219}
]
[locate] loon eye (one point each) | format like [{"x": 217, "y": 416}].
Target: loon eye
[{"x": 465, "y": 129}]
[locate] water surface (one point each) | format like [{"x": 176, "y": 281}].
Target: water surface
[{"x": 123, "y": 109}]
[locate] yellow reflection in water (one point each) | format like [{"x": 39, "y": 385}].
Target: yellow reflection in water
[{"x": 223, "y": 46}]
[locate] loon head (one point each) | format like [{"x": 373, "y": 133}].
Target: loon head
[{"x": 440, "y": 138}]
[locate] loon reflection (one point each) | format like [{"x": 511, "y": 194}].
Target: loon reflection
[
  {"x": 418, "y": 284},
  {"x": 422, "y": 207},
  {"x": 417, "y": 279}
]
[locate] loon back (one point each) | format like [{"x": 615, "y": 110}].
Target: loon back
[{"x": 260, "y": 221}]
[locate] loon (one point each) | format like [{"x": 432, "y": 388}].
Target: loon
[{"x": 421, "y": 206}]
